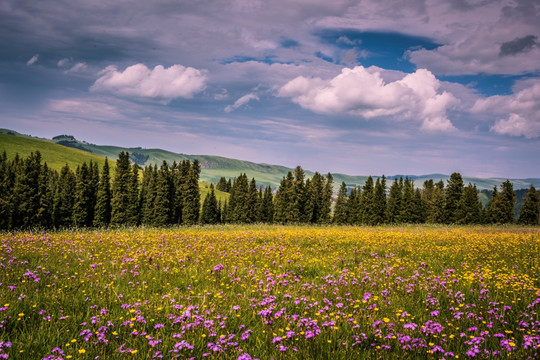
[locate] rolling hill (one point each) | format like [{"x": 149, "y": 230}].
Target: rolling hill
[{"x": 65, "y": 148}]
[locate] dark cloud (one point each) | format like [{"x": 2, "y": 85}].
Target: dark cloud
[{"x": 518, "y": 45}]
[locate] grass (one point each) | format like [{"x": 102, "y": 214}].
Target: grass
[{"x": 281, "y": 292}]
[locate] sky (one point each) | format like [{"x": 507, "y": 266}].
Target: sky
[{"x": 361, "y": 87}]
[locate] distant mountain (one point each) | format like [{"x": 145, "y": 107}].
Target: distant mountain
[{"x": 213, "y": 167}]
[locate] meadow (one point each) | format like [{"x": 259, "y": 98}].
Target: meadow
[{"x": 271, "y": 292}]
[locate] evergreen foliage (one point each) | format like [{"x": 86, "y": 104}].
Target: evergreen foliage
[
  {"x": 529, "y": 213},
  {"x": 102, "y": 214},
  {"x": 210, "y": 209},
  {"x": 340, "y": 210}
]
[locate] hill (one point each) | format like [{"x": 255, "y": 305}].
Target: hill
[{"x": 213, "y": 167}]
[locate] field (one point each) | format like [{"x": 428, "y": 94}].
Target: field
[{"x": 271, "y": 293}]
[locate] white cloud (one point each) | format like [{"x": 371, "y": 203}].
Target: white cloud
[
  {"x": 62, "y": 62},
  {"x": 521, "y": 110},
  {"x": 32, "y": 60},
  {"x": 241, "y": 101},
  {"x": 364, "y": 92},
  {"x": 159, "y": 83},
  {"x": 78, "y": 67}
]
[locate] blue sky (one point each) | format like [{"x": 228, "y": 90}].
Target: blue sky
[{"x": 357, "y": 87}]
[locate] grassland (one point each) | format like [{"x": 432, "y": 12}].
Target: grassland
[{"x": 271, "y": 293}]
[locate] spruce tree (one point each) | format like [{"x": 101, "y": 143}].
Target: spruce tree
[
  {"x": 120, "y": 201},
  {"x": 133, "y": 211},
  {"x": 492, "y": 207},
  {"x": 83, "y": 206},
  {"x": 453, "y": 194},
  {"x": 470, "y": 207},
  {"x": 316, "y": 199},
  {"x": 209, "y": 214},
  {"x": 162, "y": 202},
  {"x": 267, "y": 206},
  {"x": 529, "y": 213},
  {"x": 379, "y": 202},
  {"x": 284, "y": 199},
  {"x": 102, "y": 211},
  {"x": 367, "y": 201},
  {"x": 64, "y": 198},
  {"x": 298, "y": 212},
  {"x": 393, "y": 205},
  {"x": 354, "y": 208},
  {"x": 408, "y": 213},
  {"x": 340, "y": 210},
  {"x": 326, "y": 203},
  {"x": 26, "y": 191},
  {"x": 435, "y": 213},
  {"x": 191, "y": 202},
  {"x": 148, "y": 195},
  {"x": 47, "y": 184},
  {"x": 253, "y": 202},
  {"x": 7, "y": 180},
  {"x": 506, "y": 203},
  {"x": 222, "y": 185}
]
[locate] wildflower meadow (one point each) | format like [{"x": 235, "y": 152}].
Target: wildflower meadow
[{"x": 271, "y": 292}]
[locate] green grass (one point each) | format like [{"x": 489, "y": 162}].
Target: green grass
[{"x": 55, "y": 155}]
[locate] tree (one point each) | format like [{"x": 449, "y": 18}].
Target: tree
[
  {"x": 393, "y": 205},
  {"x": 284, "y": 199},
  {"x": 435, "y": 206},
  {"x": 507, "y": 201},
  {"x": 240, "y": 200},
  {"x": 83, "y": 206},
  {"x": 379, "y": 202},
  {"x": 102, "y": 211},
  {"x": 340, "y": 210},
  {"x": 453, "y": 194},
  {"x": 529, "y": 214},
  {"x": 209, "y": 214},
  {"x": 148, "y": 194},
  {"x": 367, "y": 201},
  {"x": 223, "y": 185},
  {"x": 354, "y": 208},
  {"x": 470, "y": 207},
  {"x": 64, "y": 198},
  {"x": 191, "y": 196},
  {"x": 162, "y": 204},
  {"x": 266, "y": 206},
  {"x": 27, "y": 197},
  {"x": 120, "y": 201}
]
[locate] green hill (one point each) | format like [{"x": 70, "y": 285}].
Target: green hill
[
  {"x": 55, "y": 155},
  {"x": 65, "y": 148}
]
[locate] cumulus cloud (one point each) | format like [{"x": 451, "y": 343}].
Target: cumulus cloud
[
  {"x": 32, "y": 60},
  {"x": 364, "y": 92},
  {"x": 159, "y": 83},
  {"x": 241, "y": 101},
  {"x": 520, "y": 111}
]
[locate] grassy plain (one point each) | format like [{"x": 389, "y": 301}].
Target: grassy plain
[{"x": 271, "y": 292}]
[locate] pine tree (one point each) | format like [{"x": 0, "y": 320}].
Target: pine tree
[
  {"x": 506, "y": 203},
  {"x": 120, "y": 205},
  {"x": 83, "y": 206},
  {"x": 223, "y": 185},
  {"x": 354, "y": 208},
  {"x": 408, "y": 212},
  {"x": 379, "y": 202},
  {"x": 529, "y": 214},
  {"x": 102, "y": 211},
  {"x": 266, "y": 213},
  {"x": 7, "y": 181},
  {"x": 148, "y": 195},
  {"x": 162, "y": 212},
  {"x": 253, "y": 202},
  {"x": 133, "y": 211},
  {"x": 209, "y": 214},
  {"x": 367, "y": 201},
  {"x": 239, "y": 201},
  {"x": 284, "y": 199},
  {"x": 64, "y": 198},
  {"x": 190, "y": 196},
  {"x": 298, "y": 212},
  {"x": 393, "y": 205},
  {"x": 492, "y": 207},
  {"x": 27, "y": 195},
  {"x": 453, "y": 194},
  {"x": 315, "y": 201},
  {"x": 47, "y": 184},
  {"x": 470, "y": 206},
  {"x": 435, "y": 213},
  {"x": 326, "y": 201},
  {"x": 340, "y": 210}
]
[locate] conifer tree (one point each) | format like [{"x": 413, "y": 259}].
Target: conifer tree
[
  {"x": 340, "y": 210},
  {"x": 102, "y": 211},
  {"x": 47, "y": 183},
  {"x": 120, "y": 201},
  {"x": 266, "y": 213},
  {"x": 435, "y": 207},
  {"x": 492, "y": 207},
  {"x": 133, "y": 211},
  {"x": 148, "y": 195},
  {"x": 393, "y": 205},
  {"x": 191, "y": 196},
  {"x": 409, "y": 211},
  {"x": 315, "y": 201},
  {"x": 239, "y": 201},
  {"x": 209, "y": 214},
  {"x": 506, "y": 204},
  {"x": 253, "y": 202},
  {"x": 64, "y": 198},
  {"x": 529, "y": 214},
  {"x": 354, "y": 208},
  {"x": 283, "y": 199},
  {"x": 367, "y": 201},
  {"x": 326, "y": 201},
  {"x": 470, "y": 206},
  {"x": 7, "y": 180},
  {"x": 299, "y": 197},
  {"x": 27, "y": 195},
  {"x": 162, "y": 214},
  {"x": 223, "y": 185},
  {"x": 379, "y": 202},
  {"x": 453, "y": 194},
  {"x": 83, "y": 206}
]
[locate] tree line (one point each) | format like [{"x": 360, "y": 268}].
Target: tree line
[{"x": 32, "y": 195}]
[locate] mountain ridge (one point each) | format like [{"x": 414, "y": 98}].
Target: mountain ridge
[{"x": 214, "y": 167}]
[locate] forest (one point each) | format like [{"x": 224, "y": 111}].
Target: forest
[{"x": 34, "y": 196}]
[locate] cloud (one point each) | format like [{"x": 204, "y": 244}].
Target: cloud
[
  {"x": 364, "y": 92},
  {"x": 241, "y": 101},
  {"x": 159, "y": 83},
  {"x": 33, "y": 60},
  {"x": 62, "y": 62},
  {"x": 520, "y": 111},
  {"x": 518, "y": 45},
  {"x": 78, "y": 67}
]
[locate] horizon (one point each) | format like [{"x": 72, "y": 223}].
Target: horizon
[{"x": 348, "y": 87}]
